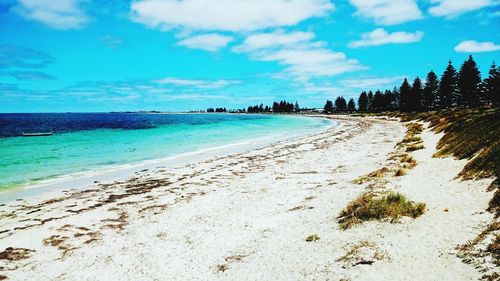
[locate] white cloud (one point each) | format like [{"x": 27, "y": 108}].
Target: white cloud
[
  {"x": 209, "y": 42},
  {"x": 227, "y": 15},
  {"x": 203, "y": 84},
  {"x": 472, "y": 46},
  {"x": 303, "y": 58},
  {"x": 58, "y": 14},
  {"x": 454, "y": 8},
  {"x": 388, "y": 12},
  {"x": 261, "y": 41},
  {"x": 362, "y": 83},
  {"x": 304, "y": 63},
  {"x": 381, "y": 37}
]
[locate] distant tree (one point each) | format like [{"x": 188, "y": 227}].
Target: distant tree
[
  {"x": 210, "y": 110},
  {"x": 340, "y": 104},
  {"x": 404, "y": 91},
  {"x": 328, "y": 108},
  {"x": 351, "y": 106},
  {"x": 363, "y": 102},
  {"x": 469, "y": 81},
  {"x": 378, "y": 102},
  {"x": 370, "y": 100},
  {"x": 431, "y": 90},
  {"x": 389, "y": 100},
  {"x": 296, "y": 107},
  {"x": 415, "y": 100},
  {"x": 396, "y": 97},
  {"x": 491, "y": 86},
  {"x": 448, "y": 87},
  {"x": 276, "y": 107}
]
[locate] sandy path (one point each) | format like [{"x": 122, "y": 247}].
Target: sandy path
[{"x": 246, "y": 217}]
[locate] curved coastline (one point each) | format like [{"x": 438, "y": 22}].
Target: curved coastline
[{"x": 107, "y": 174}]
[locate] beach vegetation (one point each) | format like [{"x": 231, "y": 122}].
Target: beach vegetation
[
  {"x": 370, "y": 206},
  {"x": 471, "y": 134},
  {"x": 409, "y": 160},
  {"x": 400, "y": 172},
  {"x": 414, "y": 147},
  {"x": 362, "y": 180},
  {"x": 378, "y": 173},
  {"x": 312, "y": 238}
]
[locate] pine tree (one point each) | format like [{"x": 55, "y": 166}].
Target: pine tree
[
  {"x": 388, "y": 100},
  {"x": 296, "y": 107},
  {"x": 378, "y": 102},
  {"x": 276, "y": 107},
  {"x": 415, "y": 99},
  {"x": 492, "y": 86},
  {"x": 363, "y": 102},
  {"x": 431, "y": 90},
  {"x": 351, "y": 106},
  {"x": 396, "y": 97},
  {"x": 328, "y": 108},
  {"x": 448, "y": 87},
  {"x": 340, "y": 104},
  {"x": 404, "y": 91},
  {"x": 370, "y": 100},
  {"x": 469, "y": 81}
]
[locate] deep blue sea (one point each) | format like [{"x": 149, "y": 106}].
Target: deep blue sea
[{"x": 87, "y": 141}]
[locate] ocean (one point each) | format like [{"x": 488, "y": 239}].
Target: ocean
[{"x": 84, "y": 142}]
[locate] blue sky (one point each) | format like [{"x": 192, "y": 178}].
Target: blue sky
[{"x": 175, "y": 55}]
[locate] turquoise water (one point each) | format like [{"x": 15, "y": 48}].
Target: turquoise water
[{"x": 27, "y": 160}]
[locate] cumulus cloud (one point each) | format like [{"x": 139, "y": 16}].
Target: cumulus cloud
[
  {"x": 261, "y": 41},
  {"x": 388, "y": 12},
  {"x": 454, "y": 8},
  {"x": 361, "y": 83},
  {"x": 472, "y": 46},
  {"x": 381, "y": 37},
  {"x": 209, "y": 42},
  {"x": 203, "y": 84},
  {"x": 302, "y": 57},
  {"x": 58, "y": 14},
  {"x": 227, "y": 15}
]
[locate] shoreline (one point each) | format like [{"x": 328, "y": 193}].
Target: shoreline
[
  {"x": 231, "y": 217},
  {"x": 108, "y": 174}
]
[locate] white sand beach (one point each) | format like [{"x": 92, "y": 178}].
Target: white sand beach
[{"x": 246, "y": 217}]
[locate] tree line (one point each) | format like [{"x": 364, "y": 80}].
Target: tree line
[
  {"x": 463, "y": 88},
  {"x": 277, "y": 107},
  {"x": 218, "y": 110}
]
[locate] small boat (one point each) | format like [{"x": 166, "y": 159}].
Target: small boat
[{"x": 44, "y": 134}]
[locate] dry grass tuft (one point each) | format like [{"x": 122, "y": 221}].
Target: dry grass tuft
[
  {"x": 408, "y": 159},
  {"x": 380, "y": 173},
  {"x": 370, "y": 207},
  {"x": 414, "y": 147},
  {"x": 400, "y": 172},
  {"x": 312, "y": 238},
  {"x": 362, "y": 180},
  {"x": 414, "y": 129},
  {"x": 15, "y": 254}
]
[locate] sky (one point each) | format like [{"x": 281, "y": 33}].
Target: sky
[{"x": 180, "y": 55}]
